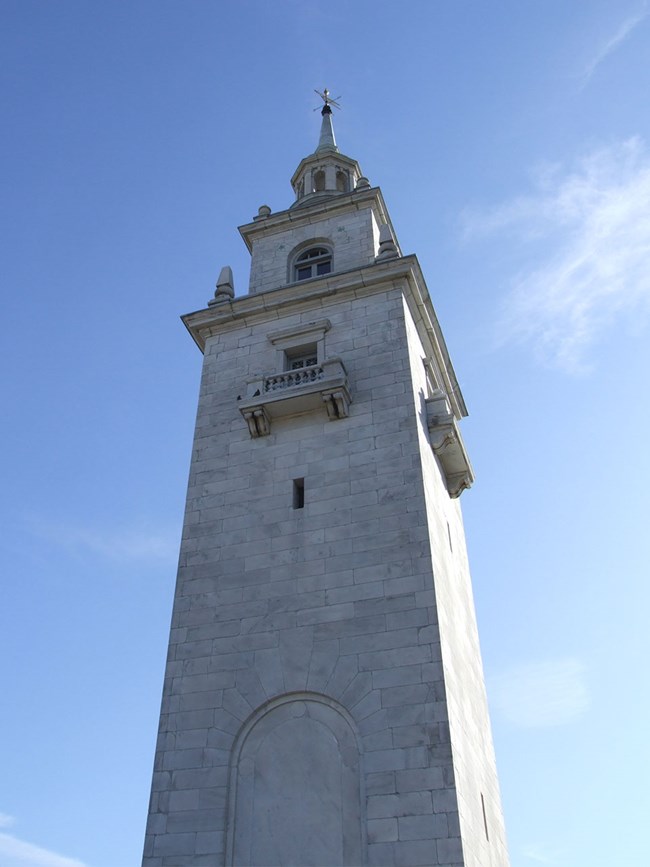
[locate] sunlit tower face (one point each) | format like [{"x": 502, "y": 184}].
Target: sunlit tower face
[{"x": 324, "y": 698}]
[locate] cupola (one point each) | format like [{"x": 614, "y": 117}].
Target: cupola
[{"x": 326, "y": 172}]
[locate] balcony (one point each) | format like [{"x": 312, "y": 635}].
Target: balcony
[
  {"x": 448, "y": 445},
  {"x": 296, "y": 391}
]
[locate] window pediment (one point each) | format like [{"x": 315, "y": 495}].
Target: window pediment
[{"x": 308, "y": 332}]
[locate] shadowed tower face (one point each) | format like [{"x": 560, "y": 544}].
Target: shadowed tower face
[{"x": 324, "y": 700}]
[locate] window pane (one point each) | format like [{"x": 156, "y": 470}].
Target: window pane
[
  {"x": 304, "y": 273},
  {"x": 314, "y": 253},
  {"x": 323, "y": 268}
]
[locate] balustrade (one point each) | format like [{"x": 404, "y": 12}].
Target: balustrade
[{"x": 303, "y": 376}]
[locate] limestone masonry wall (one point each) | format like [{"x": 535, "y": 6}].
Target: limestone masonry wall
[
  {"x": 354, "y": 237},
  {"x": 483, "y": 836},
  {"x": 305, "y": 654},
  {"x": 334, "y": 600}
]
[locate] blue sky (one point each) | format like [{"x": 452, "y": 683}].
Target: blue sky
[{"x": 512, "y": 144}]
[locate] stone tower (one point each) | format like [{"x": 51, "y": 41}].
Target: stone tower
[{"x": 324, "y": 701}]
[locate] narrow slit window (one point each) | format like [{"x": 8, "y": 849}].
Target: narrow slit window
[
  {"x": 299, "y": 493},
  {"x": 485, "y": 824}
]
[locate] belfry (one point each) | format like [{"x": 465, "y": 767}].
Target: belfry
[{"x": 324, "y": 701}]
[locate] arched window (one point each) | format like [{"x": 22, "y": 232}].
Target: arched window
[
  {"x": 342, "y": 181},
  {"x": 312, "y": 263},
  {"x": 319, "y": 181}
]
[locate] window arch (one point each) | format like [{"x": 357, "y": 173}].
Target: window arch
[
  {"x": 314, "y": 262},
  {"x": 319, "y": 181},
  {"x": 342, "y": 181}
]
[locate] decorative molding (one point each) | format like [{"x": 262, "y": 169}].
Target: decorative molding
[
  {"x": 314, "y": 330},
  {"x": 225, "y": 287},
  {"x": 401, "y": 273},
  {"x": 388, "y": 248},
  {"x": 337, "y": 404},
  {"x": 258, "y": 421},
  {"x": 317, "y": 205},
  {"x": 292, "y": 378},
  {"x": 447, "y": 444}
]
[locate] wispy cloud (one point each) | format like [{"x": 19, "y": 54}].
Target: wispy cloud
[
  {"x": 541, "y": 694},
  {"x": 19, "y": 853},
  {"x": 586, "y": 233},
  {"x": 541, "y": 854},
  {"x": 6, "y": 821},
  {"x": 615, "y": 41},
  {"x": 120, "y": 544}
]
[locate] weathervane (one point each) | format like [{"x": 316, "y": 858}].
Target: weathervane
[{"x": 327, "y": 99}]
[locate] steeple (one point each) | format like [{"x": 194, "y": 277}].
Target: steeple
[
  {"x": 327, "y": 142},
  {"x": 326, "y": 172}
]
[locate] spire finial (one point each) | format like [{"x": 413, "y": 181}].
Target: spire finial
[
  {"x": 327, "y": 99},
  {"x": 327, "y": 140}
]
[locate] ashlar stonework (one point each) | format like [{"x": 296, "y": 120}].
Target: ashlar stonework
[{"x": 324, "y": 701}]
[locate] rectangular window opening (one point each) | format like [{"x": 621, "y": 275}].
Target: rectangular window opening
[
  {"x": 299, "y": 493},
  {"x": 301, "y": 356},
  {"x": 485, "y": 825}
]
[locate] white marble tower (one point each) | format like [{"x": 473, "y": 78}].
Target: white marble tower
[{"x": 324, "y": 701}]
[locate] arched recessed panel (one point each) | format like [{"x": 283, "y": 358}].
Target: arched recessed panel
[{"x": 295, "y": 797}]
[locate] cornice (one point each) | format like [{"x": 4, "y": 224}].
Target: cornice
[
  {"x": 314, "y": 213},
  {"x": 403, "y": 273}
]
